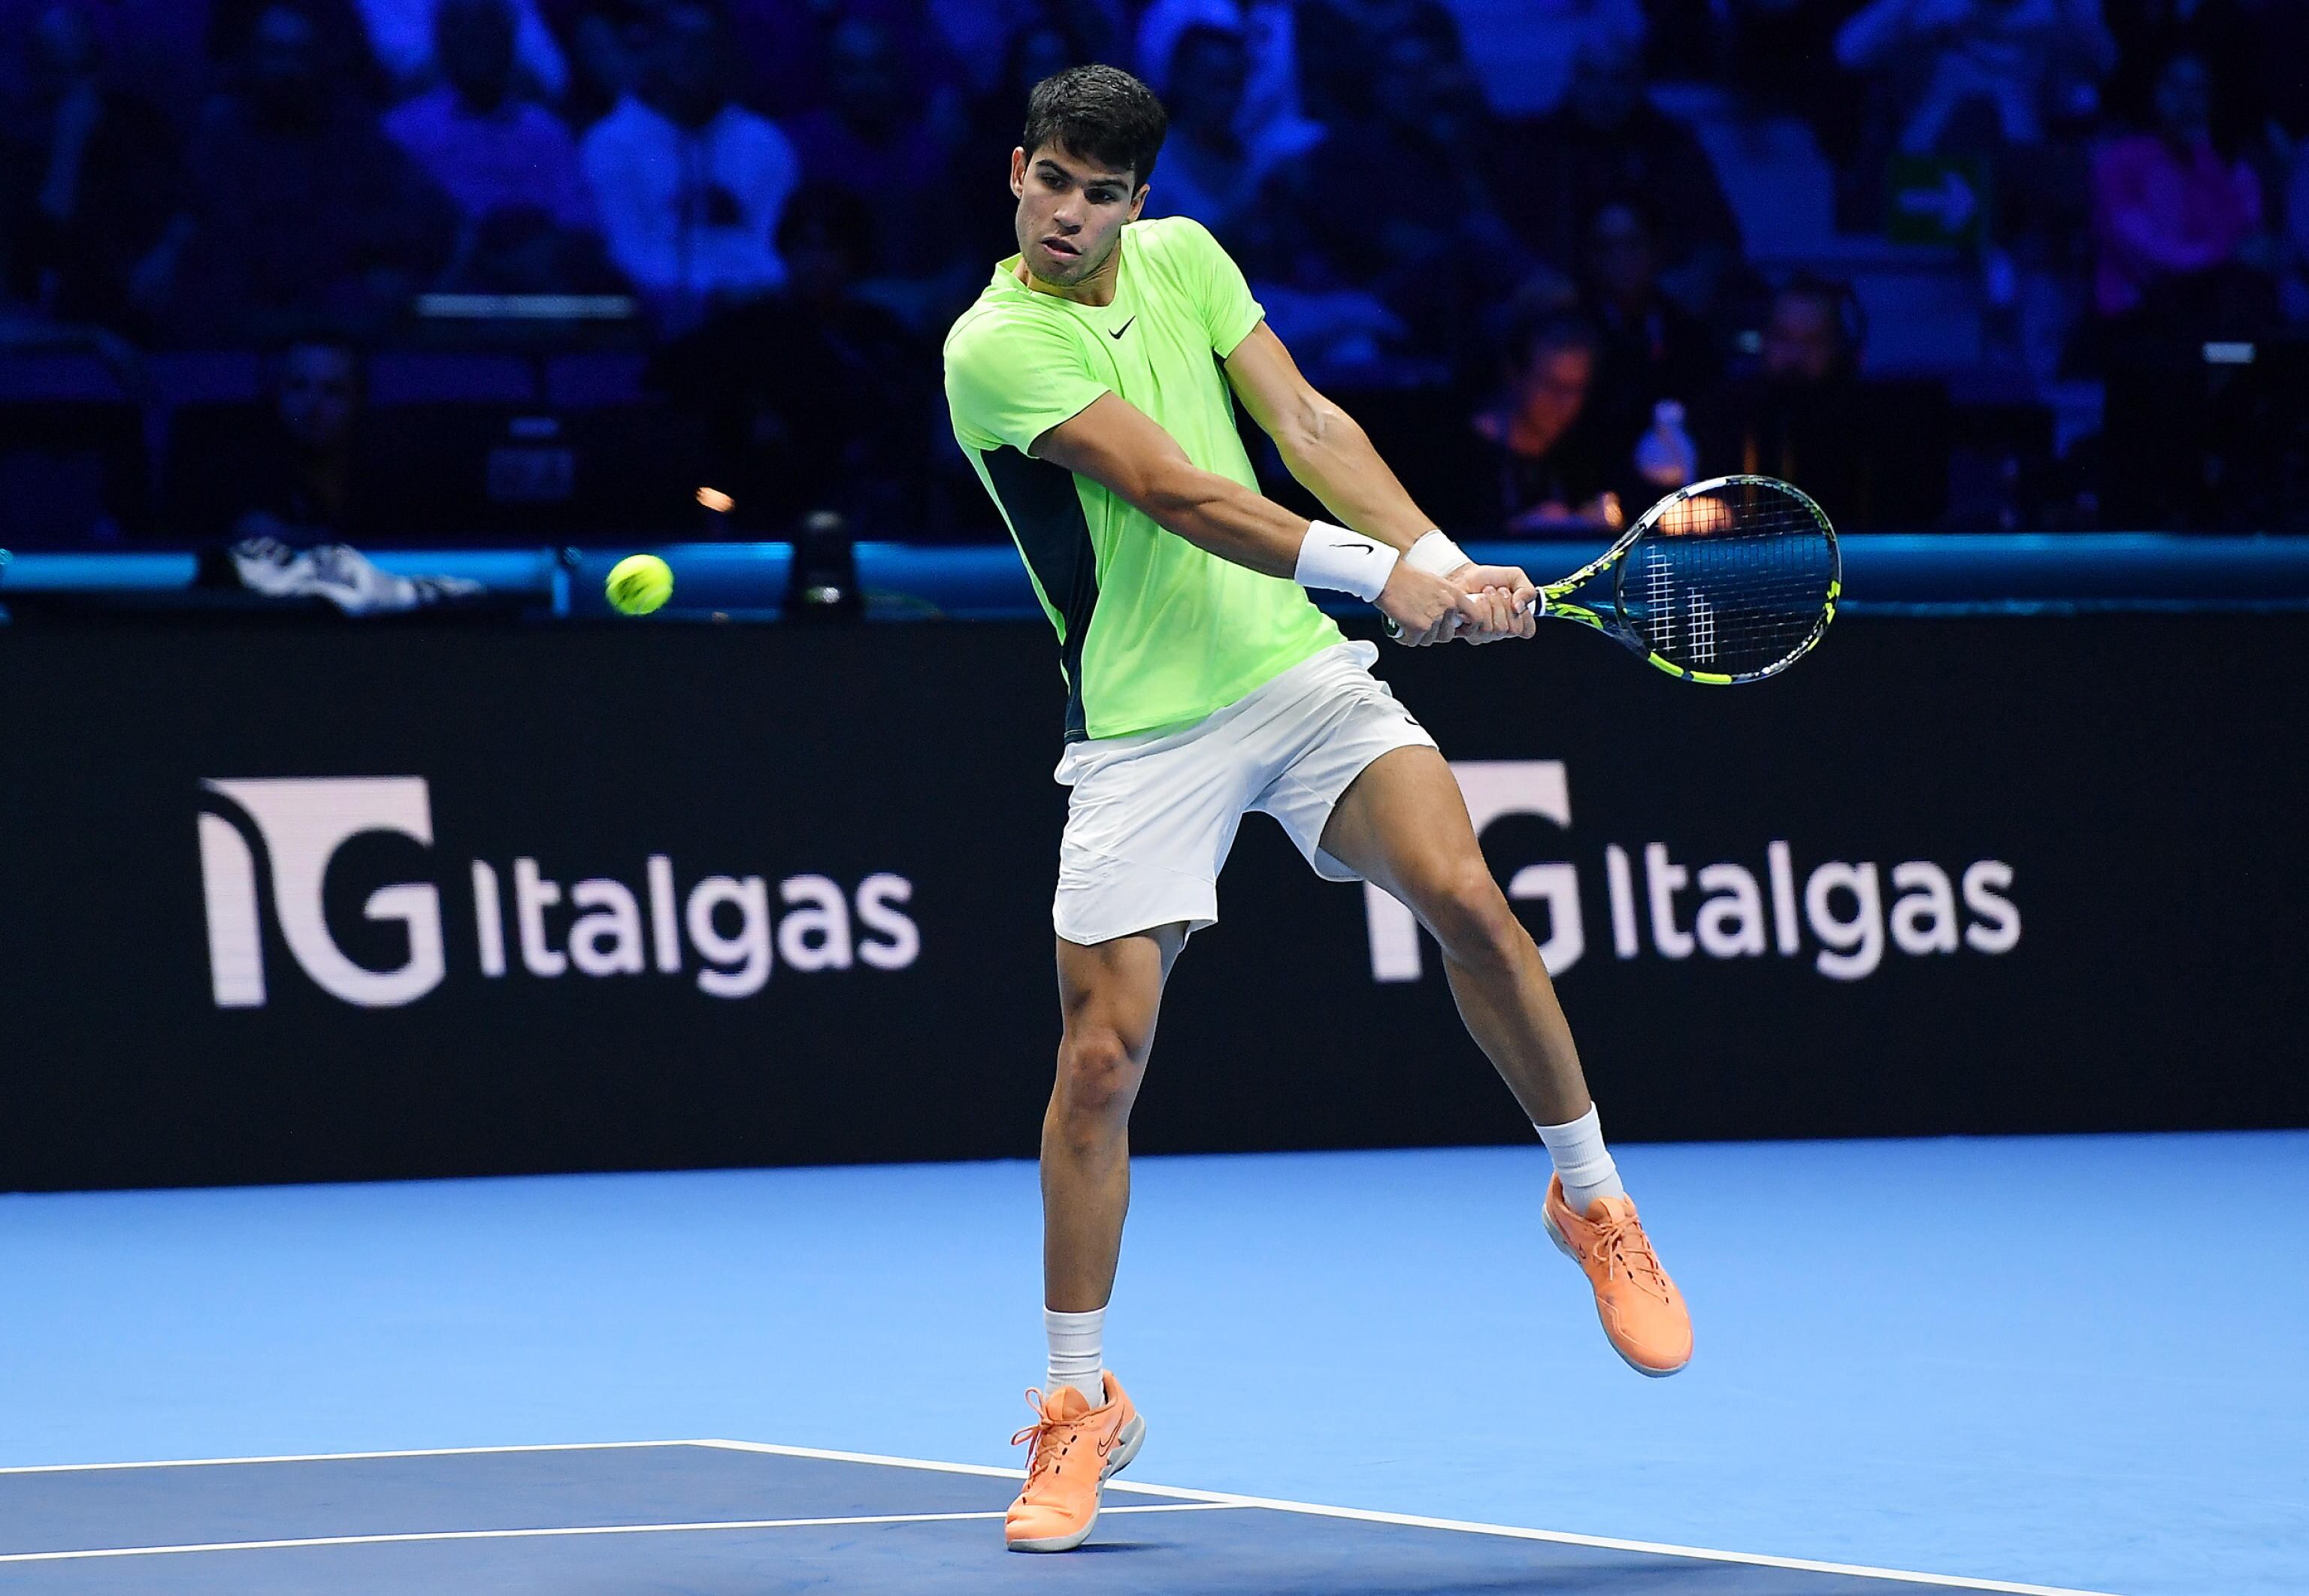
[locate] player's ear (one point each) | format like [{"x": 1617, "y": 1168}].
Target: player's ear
[
  {"x": 1138, "y": 202},
  {"x": 1018, "y": 174}
]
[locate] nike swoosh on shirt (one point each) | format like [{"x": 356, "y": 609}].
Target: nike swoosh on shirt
[{"x": 1119, "y": 331}]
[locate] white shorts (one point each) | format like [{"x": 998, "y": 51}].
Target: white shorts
[{"x": 1152, "y": 816}]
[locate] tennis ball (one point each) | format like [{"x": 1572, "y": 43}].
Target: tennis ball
[{"x": 639, "y": 583}]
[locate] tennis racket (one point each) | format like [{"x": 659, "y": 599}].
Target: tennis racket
[{"x": 1727, "y": 581}]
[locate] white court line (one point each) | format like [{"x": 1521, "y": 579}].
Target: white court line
[
  {"x": 744, "y": 1523},
  {"x": 333, "y": 1457},
  {"x": 1207, "y": 1499},
  {"x": 1461, "y": 1526}
]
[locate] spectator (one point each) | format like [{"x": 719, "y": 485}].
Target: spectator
[
  {"x": 689, "y": 183},
  {"x": 981, "y": 166},
  {"x": 2170, "y": 211},
  {"x": 1608, "y": 140},
  {"x": 1539, "y": 443},
  {"x": 149, "y": 49},
  {"x": 979, "y": 34},
  {"x": 1340, "y": 46},
  {"x": 1576, "y": 30},
  {"x": 488, "y": 150},
  {"x": 406, "y": 38},
  {"x": 298, "y": 204},
  {"x": 1039, "y": 50},
  {"x": 292, "y": 471},
  {"x": 881, "y": 136},
  {"x": 2253, "y": 48},
  {"x": 1651, "y": 349},
  {"x": 1400, "y": 198},
  {"x": 94, "y": 191},
  {"x": 340, "y": 42},
  {"x": 1806, "y": 339},
  {"x": 1874, "y": 455},
  {"x": 1268, "y": 116},
  {"x": 1782, "y": 63},
  {"x": 1208, "y": 171},
  {"x": 2013, "y": 59},
  {"x": 602, "y": 45},
  {"x": 814, "y": 398}
]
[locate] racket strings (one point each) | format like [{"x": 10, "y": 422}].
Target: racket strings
[{"x": 1733, "y": 581}]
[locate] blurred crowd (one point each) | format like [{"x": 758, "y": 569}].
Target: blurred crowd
[{"x": 757, "y": 218}]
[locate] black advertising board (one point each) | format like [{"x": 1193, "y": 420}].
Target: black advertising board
[{"x": 327, "y": 902}]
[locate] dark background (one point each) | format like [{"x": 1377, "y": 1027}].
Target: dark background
[{"x": 2142, "y": 775}]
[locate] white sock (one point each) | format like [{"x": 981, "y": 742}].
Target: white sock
[
  {"x": 1076, "y": 1347},
  {"x": 1582, "y": 1162}
]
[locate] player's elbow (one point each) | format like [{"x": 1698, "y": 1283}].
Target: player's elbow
[{"x": 1312, "y": 427}]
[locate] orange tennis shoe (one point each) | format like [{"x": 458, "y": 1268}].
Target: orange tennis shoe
[
  {"x": 1076, "y": 1446},
  {"x": 1643, "y": 1313}
]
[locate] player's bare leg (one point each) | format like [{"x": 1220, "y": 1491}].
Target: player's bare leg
[
  {"x": 1403, "y": 825},
  {"x": 1108, "y": 994},
  {"x": 1085, "y": 1425}
]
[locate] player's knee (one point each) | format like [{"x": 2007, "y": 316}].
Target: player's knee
[
  {"x": 1098, "y": 1074},
  {"x": 1470, "y": 917}
]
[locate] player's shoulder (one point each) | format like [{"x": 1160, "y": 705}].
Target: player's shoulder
[
  {"x": 998, "y": 313},
  {"x": 973, "y": 325},
  {"x": 1008, "y": 340},
  {"x": 1172, "y": 238}
]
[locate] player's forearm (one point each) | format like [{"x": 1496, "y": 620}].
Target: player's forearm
[
  {"x": 1223, "y": 517},
  {"x": 1331, "y": 456}
]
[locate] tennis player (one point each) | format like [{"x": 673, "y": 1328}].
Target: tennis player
[{"x": 1089, "y": 385}]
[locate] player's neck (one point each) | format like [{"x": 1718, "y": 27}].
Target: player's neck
[{"x": 1097, "y": 291}]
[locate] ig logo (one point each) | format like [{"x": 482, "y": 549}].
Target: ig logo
[
  {"x": 1493, "y": 788},
  {"x": 302, "y": 824}
]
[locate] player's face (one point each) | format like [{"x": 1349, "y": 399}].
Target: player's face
[{"x": 1071, "y": 212}]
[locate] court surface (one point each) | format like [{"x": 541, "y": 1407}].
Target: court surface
[
  {"x": 714, "y": 1516},
  {"x": 2049, "y": 1364}
]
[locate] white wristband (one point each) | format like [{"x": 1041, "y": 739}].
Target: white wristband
[
  {"x": 1332, "y": 556},
  {"x": 1436, "y": 554}
]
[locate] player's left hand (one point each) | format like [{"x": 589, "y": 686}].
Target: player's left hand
[{"x": 1508, "y": 602}]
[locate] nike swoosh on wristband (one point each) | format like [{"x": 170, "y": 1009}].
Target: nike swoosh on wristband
[
  {"x": 1118, "y": 332},
  {"x": 1358, "y": 547}
]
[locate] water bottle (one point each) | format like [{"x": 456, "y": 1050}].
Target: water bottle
[{"x": 1666, "y": 455}]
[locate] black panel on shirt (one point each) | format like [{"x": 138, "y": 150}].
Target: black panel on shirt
[{"x": 1046, "y": 513}]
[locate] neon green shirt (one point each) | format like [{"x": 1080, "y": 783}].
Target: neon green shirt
[{"x": 1153, "y": 631}]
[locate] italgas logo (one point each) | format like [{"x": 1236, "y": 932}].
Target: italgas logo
[
  {"x": 1723, "y": 910},
  {"x": 724, "y": 924}
]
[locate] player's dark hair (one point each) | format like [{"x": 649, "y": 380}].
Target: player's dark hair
[{"x": 1098, "y": 113}]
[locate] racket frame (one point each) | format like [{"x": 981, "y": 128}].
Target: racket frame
[{"x": 1613, "y": 623}]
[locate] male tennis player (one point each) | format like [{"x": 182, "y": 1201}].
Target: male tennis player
[{"x": 1089, "y": 387}]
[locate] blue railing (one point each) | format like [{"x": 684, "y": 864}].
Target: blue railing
[{"x": 2026, "y": 573}]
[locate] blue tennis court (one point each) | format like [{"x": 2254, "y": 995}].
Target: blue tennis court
[
  {"x": 2013, "y": 1365},
  {"x": 733, "y": 1516}
]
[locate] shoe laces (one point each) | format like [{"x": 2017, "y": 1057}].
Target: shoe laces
[
  {"x": 1053, "y": 1439},
  {"x": 1627, "y": 1252}
]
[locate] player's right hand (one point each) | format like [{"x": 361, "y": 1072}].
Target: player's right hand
[
  {"x": 1509, "y": 602},
  {"x": 1426, "y": 608}
]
